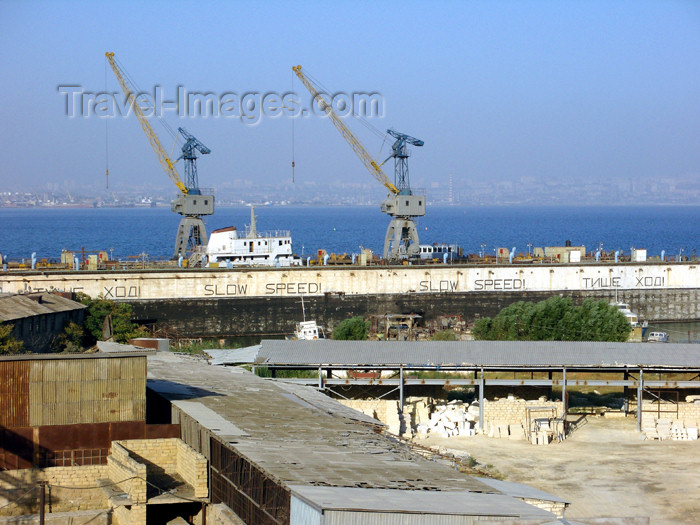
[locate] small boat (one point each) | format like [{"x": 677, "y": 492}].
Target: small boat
[
  {"x": 657, "y": 337},
  {"x": 227, "y": 247},
  {"x": 638, "y": 328},
  {"x": 307, "y": 330},
  {"x": 624, "y": 309}
]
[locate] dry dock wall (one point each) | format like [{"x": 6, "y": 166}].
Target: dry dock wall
[
  {"x": 357, "y": 280},
  {"x": 269, "y": 316},
  {"x": 220, "y": 302}
]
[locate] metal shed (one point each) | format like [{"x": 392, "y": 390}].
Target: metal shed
[{"x": 366, "y": 506}]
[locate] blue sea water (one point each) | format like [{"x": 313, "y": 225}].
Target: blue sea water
[{"x": 344, "y": 229}]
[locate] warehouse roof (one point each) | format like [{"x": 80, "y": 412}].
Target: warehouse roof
[
  {"x": 234, "y": 356},
  {"x": 425, "y": 503},
  {"x": 15, "y": 307},
  {"x": 295, "y": 433},
  {"x": 478, "y": 353}
]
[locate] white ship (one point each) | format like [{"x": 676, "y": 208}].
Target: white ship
[
  {"x": 307, "y": 330},
  {"x": 638, "y": 328},
  {"x": 228, "y": 248}
]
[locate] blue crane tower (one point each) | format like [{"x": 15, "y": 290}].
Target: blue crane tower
[
  {"x": 400, "y": 154},
  {"x": 189, "y": 153}
]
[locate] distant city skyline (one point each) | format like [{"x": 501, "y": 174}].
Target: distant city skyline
[
  {"x": 588, "y": 101},
  {"x": 621, "y": 192}
]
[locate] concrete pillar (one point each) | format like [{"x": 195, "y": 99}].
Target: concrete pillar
[
  {"x": 626, "y": 392},
  {"x": 564, "y": 402},
  {"x": 401, "y": 399},
  {"x": 640, "y": 390},
  {"x": 482, "y": 383}
]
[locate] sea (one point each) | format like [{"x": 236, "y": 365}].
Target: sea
[{"x": 128, "y": 232}]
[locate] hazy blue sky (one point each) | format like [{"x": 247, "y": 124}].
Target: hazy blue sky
[{"x": 498, "y": 90}]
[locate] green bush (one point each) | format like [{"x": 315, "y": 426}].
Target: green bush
[
  {"x": 8, "y": 344},
  {"x": 353, "y": 329},
  {"x": 120, "y": 313},
  {"x": 72, "y": 339},
  {"x": 555, "y": 319},
  {"x": 445, "y": 335}
]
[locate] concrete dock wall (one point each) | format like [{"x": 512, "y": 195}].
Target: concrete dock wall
[
  {"x": 356, "y": 280},
  {"x": 223, "y": 302},
  {"x": 268, "y": 316}
]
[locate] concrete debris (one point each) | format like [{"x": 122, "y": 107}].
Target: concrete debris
[
  {"x": 674, "y": 429},
  {"x": 452, "y": 419}
]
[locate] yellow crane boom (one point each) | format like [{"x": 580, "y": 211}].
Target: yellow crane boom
[
  {"x": 355, "y": 144},
  {"x": 163, "y": 158}
]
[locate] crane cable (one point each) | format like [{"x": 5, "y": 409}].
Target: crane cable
[
  {"x": 136, "y": 90},
  {"x": 366, "y": 123},
  {"x": 106, "y": 134},
  {"x": 359, "y": 118},
  {"x": 293, "y": 119}
]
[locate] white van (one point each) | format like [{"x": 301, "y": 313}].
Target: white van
[{"x": 657, "y": 337}]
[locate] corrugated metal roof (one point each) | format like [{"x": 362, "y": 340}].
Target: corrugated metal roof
[
  {"x": 15, "y": 307},
  {"x": 519, "y": 490},
  {"x": 478, "y": 353},
  {"x": 446, "y": 502},
  {"x": 235, "y": 356}
]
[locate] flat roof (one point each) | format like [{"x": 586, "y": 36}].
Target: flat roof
[
  {"x": 461, "y": 503},
  {"x": 233, "y": 356},
  {"x": 296, "y": 434},
  {"x": 545, "y": 354}
]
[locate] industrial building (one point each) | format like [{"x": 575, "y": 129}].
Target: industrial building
[
  {"x": 283, "y": 453},
  {"x": 276, "y": 453},
  {"x": 654, "y": 380},
  {"x": 39, "y": 317},
  {"x": 74, "y": 440},
  {"x": 134, "y": 437}
]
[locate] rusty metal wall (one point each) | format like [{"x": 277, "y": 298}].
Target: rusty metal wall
[
  {"x": 75, "y": 391},
  {"x": 253, "y": 496},
  {"x": 192, "y": 432},
  {"x": 14, "y": 393},
  {"x": 71, "y": 445}
]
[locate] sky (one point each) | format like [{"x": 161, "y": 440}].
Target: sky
[{"x": 498, "y": 90}]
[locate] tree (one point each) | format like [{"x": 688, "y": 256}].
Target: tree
[
  {"x": 120, "y": 313},
  {"x": 445, "y": 335},
  {"x": 8, "y": 343},
  {"x": 72, "y": 339},
  {"x": 555, "y": 319},
  {"x": 353, "y": 329}
]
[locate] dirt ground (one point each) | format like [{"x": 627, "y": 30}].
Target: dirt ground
[{"x": 605, "y": 469}]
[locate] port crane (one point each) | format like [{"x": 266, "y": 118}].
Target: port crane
[
  {"x": 401, "y": 240},
  {"x": 400, "y": 154},
  {"x": 192, "y": 204}
]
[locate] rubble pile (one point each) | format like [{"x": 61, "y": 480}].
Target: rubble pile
[{"x": 452, "y": 419}]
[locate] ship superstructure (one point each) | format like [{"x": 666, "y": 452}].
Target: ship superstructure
[{"x": 228, "y": 247}]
